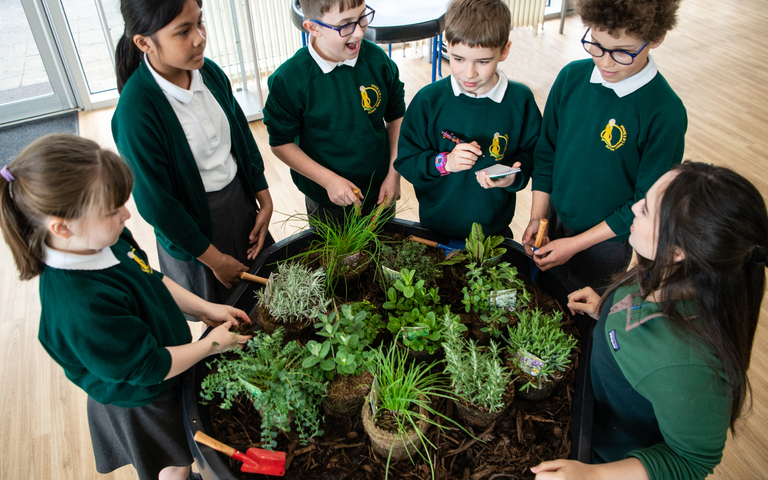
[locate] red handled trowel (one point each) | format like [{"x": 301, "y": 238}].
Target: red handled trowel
[{"x": 255, "y": 460}]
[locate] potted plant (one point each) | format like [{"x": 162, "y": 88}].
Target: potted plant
[
  {"x": 294, "y": 297},
  {"x": 411, "y": 255},
  {"x": 270, "y": 375},
  {"x": 398, "y": 412},
  {"x": 480, "y": 381},
  {"x": 540, "y": 351},
  {"x": 344, "y": 356},
  {"x": 414, "y": 313},
  {"x": 344, "y": 250},
  {"x": 491, "y": 294},
  {"x": 482, "y": 250}
]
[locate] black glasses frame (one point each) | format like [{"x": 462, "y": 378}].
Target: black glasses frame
[
  {"x": 587, "y": 45},
  {"x": 356, "y": 24}
]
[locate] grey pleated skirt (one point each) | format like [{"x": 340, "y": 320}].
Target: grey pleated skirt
[
  {"x": 150, "y": 437},
  {"x": 233, "y": 215}
]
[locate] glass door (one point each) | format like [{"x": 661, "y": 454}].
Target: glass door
[{"x": 33, "y": 80}]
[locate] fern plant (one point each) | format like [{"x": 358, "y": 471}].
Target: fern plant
[
  {"x": 539, "y": 347},
  {"x": 296, "y": 293},
  {"x": 477, "y": 375},
  {"x": 415, "y": 312},
  {"x": 270, "y": 375},
  {"x": 493, "y": 293}
]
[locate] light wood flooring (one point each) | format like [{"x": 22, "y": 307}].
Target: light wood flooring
[{"x": 716, "y": 60}]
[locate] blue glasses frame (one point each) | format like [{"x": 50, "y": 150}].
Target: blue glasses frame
[
  {"x": 367, "y": 16},
  {"x": 587, "y": 44}
]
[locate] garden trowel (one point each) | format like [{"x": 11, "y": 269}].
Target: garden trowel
[
  {"x": 537, "y": 243},
  {"x": 452, "y": 248},
  {"x": 267, "y": 282},
  {"x": 255, "y": 460}
]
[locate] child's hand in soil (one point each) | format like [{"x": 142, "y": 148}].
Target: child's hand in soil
[
  {"x": 627, "y": 469},
  {"x": 222, "y": 340},
  {"x": 216, "y": 314}
]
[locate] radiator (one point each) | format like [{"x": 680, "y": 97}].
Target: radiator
[{"x": 527, "y": 13}]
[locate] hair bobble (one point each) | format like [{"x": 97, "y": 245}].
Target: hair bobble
[
  {"x": 8, "y": 176},
  {"x": 759, "y": 255}
]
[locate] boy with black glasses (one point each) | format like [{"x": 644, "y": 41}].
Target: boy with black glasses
[
  {"x": 334, "y": 110},
  {"x": 612, "y": 126}
]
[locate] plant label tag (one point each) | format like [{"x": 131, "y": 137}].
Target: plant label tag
[
  {"x": 390, "y": 276},
  {"x": 251, "y": 388},
  {"x": 504, "y": 299},
  {"x": 528, "y": 363},
  {"x": 351, "y": 261},
  {"x": 374, "y": 396},
  {"x": 412, "y": 333},
  {"x": 491, "y": 262}
]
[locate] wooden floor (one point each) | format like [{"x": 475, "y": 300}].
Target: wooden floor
[{"x": 716, "y": 60}]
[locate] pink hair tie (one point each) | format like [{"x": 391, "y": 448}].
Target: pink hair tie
[{"x": 7, "y": 174}]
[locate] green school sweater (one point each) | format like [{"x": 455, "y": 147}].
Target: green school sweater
[
  {"x": 168, "y": 190},
  {"x": 598, "y": 154},
  {"x": 337, "y": 118},
  {"x": 108, "y": 327},
  {"x": 449, "y": 204},
  {"x": 657, "y": 397}
]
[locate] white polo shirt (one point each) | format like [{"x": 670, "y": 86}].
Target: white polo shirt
[{"x": 206, "y": 128}]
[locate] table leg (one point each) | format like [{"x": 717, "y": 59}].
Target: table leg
[{"x": 303, "y": 39}]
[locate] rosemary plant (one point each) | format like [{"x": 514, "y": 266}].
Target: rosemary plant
[
  {"x": 270, "y": 375},
  {"x": 348, "y": 335},
  {"x": 539, "y": 335},
  {"x": 477, "y": 375},
  {"x": 493, "y": 293},
  {"x": 296, "y": 294}
]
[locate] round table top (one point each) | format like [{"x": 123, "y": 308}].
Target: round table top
[{"x": 397, "y": 21}]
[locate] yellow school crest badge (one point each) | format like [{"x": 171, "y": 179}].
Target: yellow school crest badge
[
  {"x": 371, "y": 98},
  {"x": 144, "y": 267},
  {"x": 613, "y": 135},
  {"x": 499, "y": 146}
]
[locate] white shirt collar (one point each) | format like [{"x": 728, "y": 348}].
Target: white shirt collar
[
  {"x": 496, "y": 93},
  {"x": 180, "y": 94},
  {"x": 100, "y": 260},
  {"x": 325, "y": 65},
  {"x": 630, "y": 84}
]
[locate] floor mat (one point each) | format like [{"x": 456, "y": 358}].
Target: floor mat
[{"x": 14, "y": 138}]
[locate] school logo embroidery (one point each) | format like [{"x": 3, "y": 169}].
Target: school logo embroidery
[
  {"x": 607, "y": 135},
  {"x": 371, "y": 98},
  {"x": 144, "y": 267},
  {"x": 496, "y": 150}
]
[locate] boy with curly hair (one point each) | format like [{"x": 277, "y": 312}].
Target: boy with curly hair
[
  {"x": 612, "y": 126},
  {"x": 498, "y": 120}
]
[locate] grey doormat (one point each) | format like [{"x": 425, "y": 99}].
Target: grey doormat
[{"x": 14, "y": 138}]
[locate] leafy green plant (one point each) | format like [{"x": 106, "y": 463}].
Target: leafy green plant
[
  {"x": 415, "y": 312},
  {"x": 402, "y": 390},
  {"x": 296, "y": 293},
  {"x": 411, "y": 255},
  {"x": 492, "y": 293},
  {"x": 270, "y": 375},
  {"x": 539, "y": 335},
  {"x": 348, "y": 334},
  {"x": 479, "y": 248},
  {"x": 477, "y": 375}
]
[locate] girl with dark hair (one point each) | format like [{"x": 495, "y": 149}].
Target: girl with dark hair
[
  {"x": 112, "y": 322},
  {"x": 674, "y": 335},
  {"x": 199, "y": 174}
]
